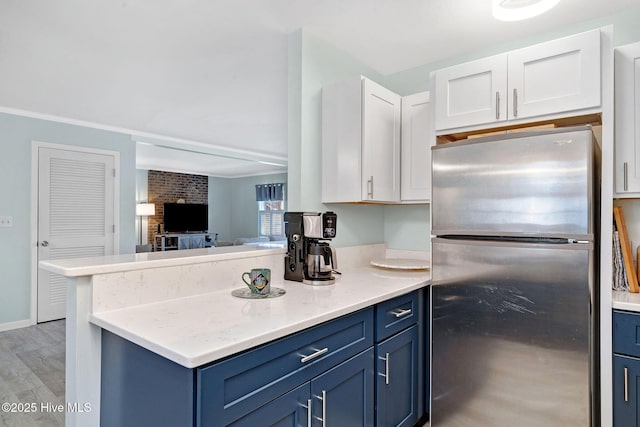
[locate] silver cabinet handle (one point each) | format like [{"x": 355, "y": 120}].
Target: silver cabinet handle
[
  {"x": 312, "y": 356},
  {"x": 370, "y": 188},
  {"x": 497, "y": 105},
  {"x": 45, "y": 243},
  {"x": 308, "y": 412},
  {"x": 515, "y": 102},
  {"x": 401, "y": 313},
  {"x": 626, "y": 384},
  {"x": 386, "y": 368},
  {"x": 626, "y": 176},
  {"x": 324, "y": 408}
]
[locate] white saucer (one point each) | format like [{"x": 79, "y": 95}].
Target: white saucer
[
  {"x": 246, "y": 293},
  {"x": 401, "y": 263}
]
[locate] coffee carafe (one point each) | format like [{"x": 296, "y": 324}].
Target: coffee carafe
[{"x": 310, "y": 259}]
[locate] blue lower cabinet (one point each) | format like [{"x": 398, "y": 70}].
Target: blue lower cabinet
[
  {"x": 289, "y": 410},
  {"x": 397, "y": 391},
  {"x": 141, "y": 388},
  {"x": 343, "y": 396},
  {"x": 426, "y": 352},
  {"x": 626, "y": 389},
  {"x": 330, "y": 368}
]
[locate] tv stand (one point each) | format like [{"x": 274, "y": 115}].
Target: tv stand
[{"x": 176, "y": 241}]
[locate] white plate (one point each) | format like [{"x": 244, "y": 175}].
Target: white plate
[{"x": 401, "y": 263}]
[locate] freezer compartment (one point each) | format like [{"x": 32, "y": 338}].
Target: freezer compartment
[
  {"x": 541, "y": 184},
  {"x": 511, "y": 334}
]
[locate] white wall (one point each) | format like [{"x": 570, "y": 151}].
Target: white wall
[
  {"x": 314, "y": 63},
  {"x": 16, "y": 136}
]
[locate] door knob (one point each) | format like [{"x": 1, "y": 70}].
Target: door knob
[{"x": 44, "y": 243}]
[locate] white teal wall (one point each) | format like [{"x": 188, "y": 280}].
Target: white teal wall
[
  {"x": 16, "y": 136},
  {"x": 220, "y": 207},
  {"x": 233, "y": 211},
  {"x": 244, "y": 208},
  {"x": 314, "y": 63},
  {"x": 142, "y": 195}
]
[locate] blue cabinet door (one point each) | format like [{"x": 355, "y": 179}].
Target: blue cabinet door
[
  {"x": 626, "y": 386},
  {"x": 426, "y": 351},
  {"x": 343, "y": 396},
  {"x": 289, "y": 410},
  {"x": 397, "y": 379}
]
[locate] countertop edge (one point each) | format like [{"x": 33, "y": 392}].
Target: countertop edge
[
  {"x": 626, "y": 301},
  {"x": 237, "y": 347},
  {"x": 130, "y": 263}
]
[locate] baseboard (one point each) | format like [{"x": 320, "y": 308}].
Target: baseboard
[{"x": 15, "y": 325}]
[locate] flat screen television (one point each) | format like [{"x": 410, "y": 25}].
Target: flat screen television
[{"x": 186, "y": 217}]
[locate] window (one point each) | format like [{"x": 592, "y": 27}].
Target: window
[
  {"x": 271, "y": 218},
  {"x": 271, "y": 207}
]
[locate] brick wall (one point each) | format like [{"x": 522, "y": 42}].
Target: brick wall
[{"x": 168, "y": 187}]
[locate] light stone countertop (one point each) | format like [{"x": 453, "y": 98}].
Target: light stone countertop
[
  {"x": 626, "y": 301},
  {"x": 196, "y": 330},
  {"x": 129, "y": 262}
]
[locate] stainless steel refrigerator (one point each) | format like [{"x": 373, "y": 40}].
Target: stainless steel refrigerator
[{"x": 514, "y": 280}]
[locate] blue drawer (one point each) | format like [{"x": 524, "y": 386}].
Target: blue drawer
[
  {"x": 396, "y": 314},
  {"x": 626, "y": 333},
  {"x": 232, "y": 388}
]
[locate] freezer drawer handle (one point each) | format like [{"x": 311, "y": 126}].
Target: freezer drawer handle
[
  {"x": 401, "y": 313},
  {"x": 312, "y": 356},
  {"x": 626, "y": 384},
  {"x": 626, "y": 176}
]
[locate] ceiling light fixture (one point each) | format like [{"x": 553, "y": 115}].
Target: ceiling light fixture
[{"x": 517, "y": 10}]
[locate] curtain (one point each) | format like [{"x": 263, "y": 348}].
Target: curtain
[{"x": 268, "y": 192}]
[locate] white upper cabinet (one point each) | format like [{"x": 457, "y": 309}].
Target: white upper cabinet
[
  {"x": 360, "y": 143},
  {"x": 627, "y": 128},
  {"x": 380, "y": 143},
  {"x": 417, "y": 139},
  {"x": 472, "y": 93},
  {"x": 560, "y": 75},
  {"x": 548, "y": 79}
]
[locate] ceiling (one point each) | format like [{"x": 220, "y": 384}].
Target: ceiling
[{"x": 215, "y": 71}]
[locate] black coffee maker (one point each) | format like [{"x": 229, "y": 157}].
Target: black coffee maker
[{"x": 310, "y": 259}]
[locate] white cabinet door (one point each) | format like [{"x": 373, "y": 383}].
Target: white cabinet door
[
  {"x": 380, "y": 143},
  {"x": 557, "y": 76},
  {"x": 627, "y": 141},
  {"x": 473, "y": 93},
  {"x": 417, "y": 139}
]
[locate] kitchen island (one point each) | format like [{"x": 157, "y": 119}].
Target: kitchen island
[{"x": 181, "y": 307}]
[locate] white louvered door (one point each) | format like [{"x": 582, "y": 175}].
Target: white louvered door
[{"x": 75, "y": 217}]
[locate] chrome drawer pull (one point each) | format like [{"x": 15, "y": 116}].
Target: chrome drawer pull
[
  {"x": 626, "y": 384},
  {"x": 314, "y": 355},
  {"x": 401, "y": 313},
  {"x": 308, "y": 408},
  {"x": 324, "y": 408},
  {"x": 386, "y": 369}
]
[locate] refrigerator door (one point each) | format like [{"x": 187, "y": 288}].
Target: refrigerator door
[
  {"x": 534, "y": 185},
  {"x": 510, "y": 334}
]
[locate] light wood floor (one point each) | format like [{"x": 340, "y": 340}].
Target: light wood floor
[{"x": 32, "y": 371}]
